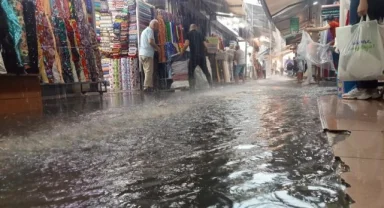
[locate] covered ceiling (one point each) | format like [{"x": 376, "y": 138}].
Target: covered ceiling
[{"x": 282, "y": 11}]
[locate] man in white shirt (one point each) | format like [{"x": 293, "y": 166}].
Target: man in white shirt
[
  {"x": 147, "y": 51},
  {"x": 239, "y": 64}
]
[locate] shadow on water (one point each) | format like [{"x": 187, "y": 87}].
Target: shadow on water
[{"x": 257, "y": 145}]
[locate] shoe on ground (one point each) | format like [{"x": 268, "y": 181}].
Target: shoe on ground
[{"x": 359, "y": 94}]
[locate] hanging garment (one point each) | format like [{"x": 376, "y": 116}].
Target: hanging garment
[
  {"x": 41, "y": 66},
  {"x": 29, "y": 10},
  {"x": 14, "y": 28},
  {"x": 50, "y": 55},
  {"x": 7, "y": 47},
  {"x": 85, "y": 30},
  {"x": 162, "y": 40},
  {"x": 83, "y": 72},
  {"x": 61, "y": 35},
  {"x": 23, "y": 45},
  {"x": 97, "y": 75},
  {"x": 71, "y": 34}
]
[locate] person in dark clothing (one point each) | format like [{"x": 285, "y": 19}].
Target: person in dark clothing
[
  {"x": 197, "y": 45},
  {"x": 375, "y": 10}
]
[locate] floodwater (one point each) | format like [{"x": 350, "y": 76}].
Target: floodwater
[{"x": 255, "y": 145}]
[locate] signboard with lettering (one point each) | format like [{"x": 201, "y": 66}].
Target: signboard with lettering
[
  {"x": 213, "y": 43},
  {"x": 295, "y": 25}
]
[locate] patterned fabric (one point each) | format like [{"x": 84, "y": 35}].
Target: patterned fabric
[
  {"x": 162, "y": 40},
  {"x": 134, "y": 73},
  {"x": 48, "y": 45},
  {"x": 14, "y": 28},
  {"x": 61, "y": 34},
  {"x": 23, "y": 45},
  {"x": 29, "y": 10}
]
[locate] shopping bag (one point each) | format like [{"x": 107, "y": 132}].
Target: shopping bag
[
  {"x": 312, "y": 52},
  {"x": 361, "y": 52},
  {"x": 201, "y": 79},
  {"x": 381, "y": 30}
]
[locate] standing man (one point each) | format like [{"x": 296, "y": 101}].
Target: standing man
[
  {"x": 240, "y": 64},
  {"x": 197, "y": 45},
  {"x": 146, "y": 52}
]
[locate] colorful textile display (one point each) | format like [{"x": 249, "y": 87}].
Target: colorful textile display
[{"x": 53, "y": 38}]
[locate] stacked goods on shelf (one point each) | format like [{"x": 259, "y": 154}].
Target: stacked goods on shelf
[{"x": 118, "y": 38}]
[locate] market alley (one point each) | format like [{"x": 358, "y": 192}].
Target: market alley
[{"x": 257, "y": 144}]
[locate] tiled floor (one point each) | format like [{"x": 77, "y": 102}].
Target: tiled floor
[
  {"x": 362, "y": 150},
  {"x": 351, "y": 115}
]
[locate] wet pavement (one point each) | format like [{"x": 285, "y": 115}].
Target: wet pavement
[{"x": 255, "y": 145}]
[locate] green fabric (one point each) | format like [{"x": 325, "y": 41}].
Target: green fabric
[
  {"x": 15, "y": 29},
  {"x": 168, "y": 28}
]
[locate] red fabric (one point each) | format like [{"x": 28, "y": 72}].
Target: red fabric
[
  {"x": 347, "y": 21},
  {"x": 333, "y": 25}
]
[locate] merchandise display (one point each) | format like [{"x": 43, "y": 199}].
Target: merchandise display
[
  {"x": 117, "y": 33},
  {"x": 52, "y": 38}
]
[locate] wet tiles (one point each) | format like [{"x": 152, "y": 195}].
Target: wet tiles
[
  {"x": 361, "y": 144},
  {"x": 367, "y": 182},
  {"x": 352, "y": 115}
]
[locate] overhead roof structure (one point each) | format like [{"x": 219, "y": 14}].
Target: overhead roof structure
[{"x": 281, "y": 11}]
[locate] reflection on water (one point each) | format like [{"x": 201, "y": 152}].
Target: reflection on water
[{"x": 257, "y": 145}]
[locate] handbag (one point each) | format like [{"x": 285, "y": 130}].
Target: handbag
[{"x": 361, "y": 51}]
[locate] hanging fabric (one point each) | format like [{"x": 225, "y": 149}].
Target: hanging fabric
[
  {"x": 64, "y": 51},
  {"x": 14, "y": 28},
  {"x": 162, "y": 39},
  {"x": 29, "y": 10},
  {"x": 23, "y": 45}
]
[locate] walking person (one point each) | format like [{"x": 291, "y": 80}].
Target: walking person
[
  {"x": 239, "y": 64},
  {"x": 256, "y": 64},
  {"x": 197, "y": 45},
  {"x": 146, "y": 53}
]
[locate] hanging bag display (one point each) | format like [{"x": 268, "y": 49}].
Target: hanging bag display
[{"x": 361, "y": 51}]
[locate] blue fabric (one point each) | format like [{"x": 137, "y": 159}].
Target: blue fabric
[
  {"x": 353, "y": 16},
  {"x": 14, "y": 26},
  {"x": 239, "y": 70}
]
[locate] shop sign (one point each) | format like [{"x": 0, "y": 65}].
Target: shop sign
[
  {"x": 295, "y": 25},
  {"x": 213, "y": 43}
]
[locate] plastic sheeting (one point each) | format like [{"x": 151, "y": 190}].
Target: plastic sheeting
[
  {"x": 179, "y": 66},
  {"x": 313, "y": 52}
]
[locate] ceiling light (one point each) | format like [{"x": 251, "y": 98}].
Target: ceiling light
[{"x": 315, "y": 3}]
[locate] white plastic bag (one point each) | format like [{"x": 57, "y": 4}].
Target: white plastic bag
[
  {"x": 361, "y": 52},
  {"x": 314, "y": 53},
  {"x": 201, "y": 79}
]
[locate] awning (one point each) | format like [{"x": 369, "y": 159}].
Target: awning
[{"x": 281, "y": 11}]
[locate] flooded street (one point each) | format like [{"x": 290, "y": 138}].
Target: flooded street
[{"x": 256, "y": 145}]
